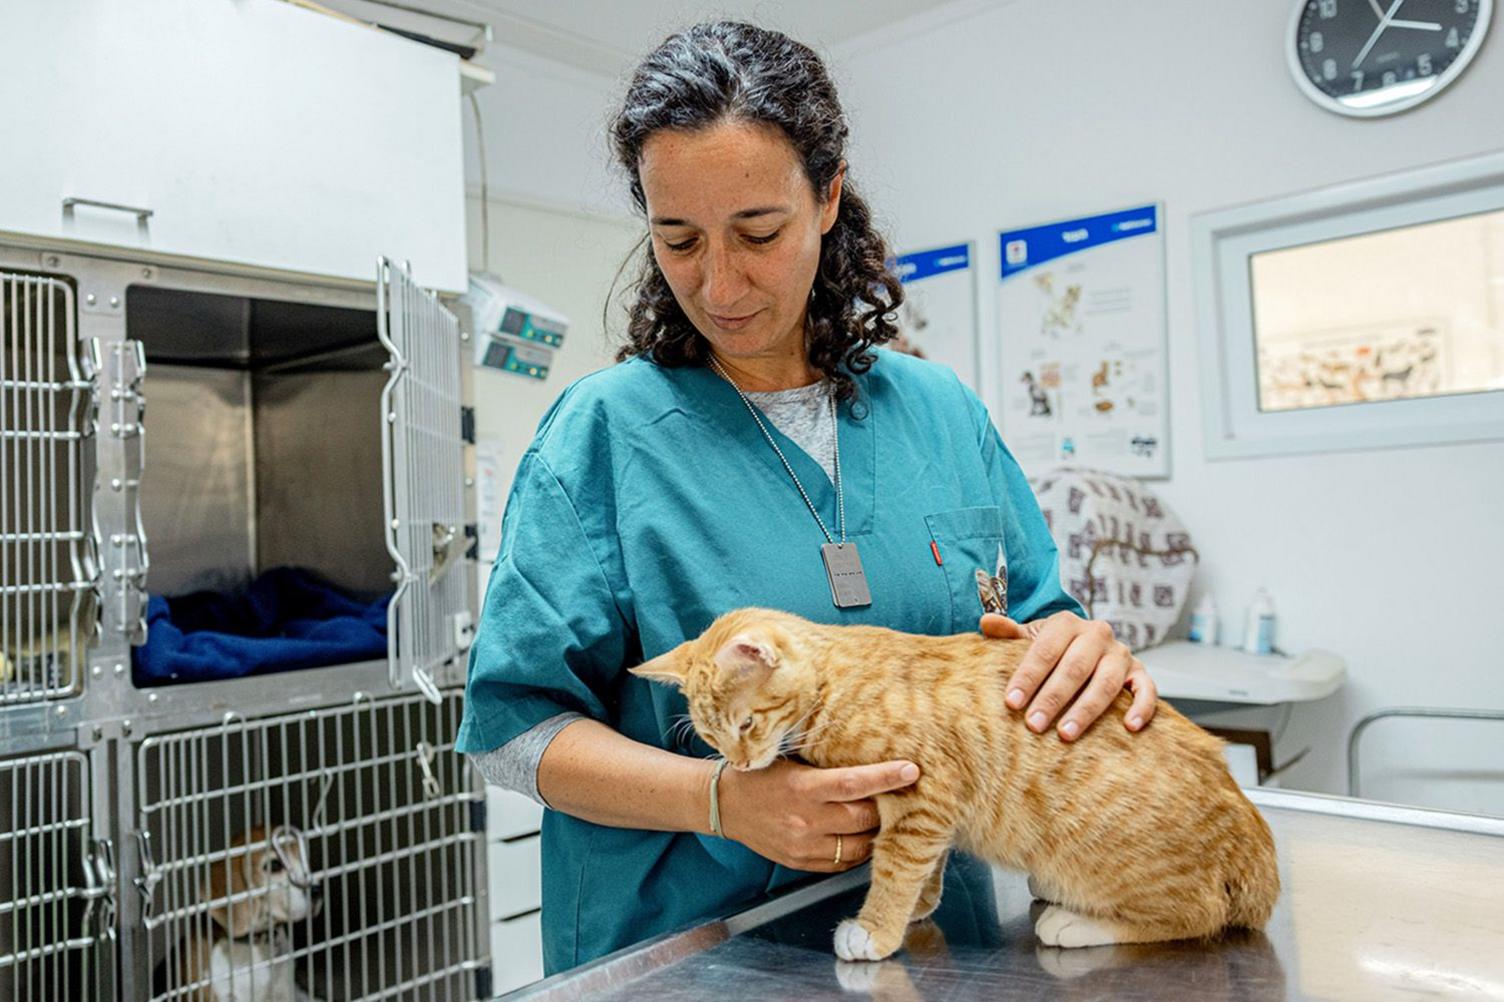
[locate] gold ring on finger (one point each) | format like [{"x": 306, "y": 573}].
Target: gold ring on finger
[{"x": 838, "y": 850}]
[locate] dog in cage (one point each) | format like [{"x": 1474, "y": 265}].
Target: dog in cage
[{"x": 255, "y": 894}]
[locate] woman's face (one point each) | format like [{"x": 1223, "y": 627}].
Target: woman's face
[{"x": 736, "y": 232}]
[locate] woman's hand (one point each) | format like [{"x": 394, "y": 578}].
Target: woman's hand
[
  {"x": 792, "y": 813},
  {"x": 1076, "y": 659}
]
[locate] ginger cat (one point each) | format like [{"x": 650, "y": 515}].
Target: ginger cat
[{"x": 1133, "y": 838}]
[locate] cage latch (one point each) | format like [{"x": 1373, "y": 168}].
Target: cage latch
[
  {"x": 431, "y": 787},
  {"x": 291, "y": 848},
  {"x": 99, "y": 878},
  {"x": 150, "y": 877},
  {"x": 448, "y": 545}
]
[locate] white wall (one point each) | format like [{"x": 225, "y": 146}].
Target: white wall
[
  {"x": 545, "y": 133},
  {"x": 1019, "y": 113},
  {"x": 560, "y": 222},
  {"x": 567, "y": 259}
]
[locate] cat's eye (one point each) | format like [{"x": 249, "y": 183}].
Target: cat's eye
[{"x": 746, "y": 725}]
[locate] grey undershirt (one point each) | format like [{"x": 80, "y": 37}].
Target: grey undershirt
[{"x": 803, "y": 415}]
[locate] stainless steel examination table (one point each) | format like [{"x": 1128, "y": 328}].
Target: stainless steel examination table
[{"x": 1378, "y": 902}]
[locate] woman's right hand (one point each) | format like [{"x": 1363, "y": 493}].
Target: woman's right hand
[{"x": 791, "y": 813}]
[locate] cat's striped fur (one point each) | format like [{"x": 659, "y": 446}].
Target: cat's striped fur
[{"x": 1132, "y": 837}]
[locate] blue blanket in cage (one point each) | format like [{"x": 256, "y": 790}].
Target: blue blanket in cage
[{"x": 288, "y": 618}]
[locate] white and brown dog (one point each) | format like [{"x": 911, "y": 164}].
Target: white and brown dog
[{"x": 256, "y": 892}]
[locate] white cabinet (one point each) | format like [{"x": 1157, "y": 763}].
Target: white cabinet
[
  {"x": 516, "y": 953},
  {"x": 253, "y": 131},
  {"x": 514, "y": 865},
  {"x": 516, "y": 877}
]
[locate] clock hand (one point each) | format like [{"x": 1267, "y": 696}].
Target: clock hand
[
  {"x": 1376, "y": 8},
  {"x": 1373, "y": 39},
  {"x": 1418, "y": 25}
]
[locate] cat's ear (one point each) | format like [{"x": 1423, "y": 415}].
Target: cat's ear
[
  {"x": 747, "y": 654},
  {"x": 669, "y": 668}
]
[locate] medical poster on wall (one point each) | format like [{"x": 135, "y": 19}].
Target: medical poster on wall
[
  {"x": 1081, "y": 339},
  {"x": 938, "y": 318},
  {"x": 490, "y": 500}
]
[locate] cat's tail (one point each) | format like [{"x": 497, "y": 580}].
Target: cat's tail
[{"x": 1252, "y": 877}]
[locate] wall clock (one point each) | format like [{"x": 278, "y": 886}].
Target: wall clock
[{"x": 1367, "y": 58}]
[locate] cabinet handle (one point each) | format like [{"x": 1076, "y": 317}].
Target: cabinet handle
[{"x": 142, "y": 215}]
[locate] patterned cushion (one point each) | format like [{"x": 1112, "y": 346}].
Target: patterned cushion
[{"x": 1123, "y": 553}]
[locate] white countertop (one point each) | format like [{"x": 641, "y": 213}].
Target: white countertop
[{"x": 1183, "y": 670}]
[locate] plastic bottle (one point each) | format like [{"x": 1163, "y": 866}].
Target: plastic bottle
[
  {"x": 1204, "y": 621},
  {"x": 1258, "y": 638}
]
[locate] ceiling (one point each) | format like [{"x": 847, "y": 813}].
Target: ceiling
[{"x": 608, "y": 37}]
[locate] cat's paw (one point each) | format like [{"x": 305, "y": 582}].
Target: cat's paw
[
  {"x": 1068, "y": 964},
  {"x": 1037, "y": 889},
  {"x": 1059, "y": 926},
  {"x": 858, "y": 977},
  {"x": 854, "y": 942}
]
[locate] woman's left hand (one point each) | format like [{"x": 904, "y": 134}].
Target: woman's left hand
[{"x": 1073, "y": 658}]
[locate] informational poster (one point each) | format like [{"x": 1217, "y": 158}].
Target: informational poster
[
  {"x": 490, "y": 500},
  {"x": 1081, "y": 343},
  {"x": 938, "y": 318}
]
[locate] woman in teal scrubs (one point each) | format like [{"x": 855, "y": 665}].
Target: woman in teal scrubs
[{"x": 655, "y": 497}]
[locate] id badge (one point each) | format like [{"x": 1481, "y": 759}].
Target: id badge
[{"x": 848, "y": 582}]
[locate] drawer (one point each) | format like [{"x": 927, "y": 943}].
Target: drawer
[
  {"x": 516, "y": 876},
  {"x": 516, "y": 952},
  {"x": 509, "y": 814}
]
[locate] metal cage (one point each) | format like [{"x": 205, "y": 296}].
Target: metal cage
[
  {"x": 56, "y": 900},
  {"x": 47, "y": 563},
  {"x": 329, "y": 854},
  {"x": 301, "y": 845}
]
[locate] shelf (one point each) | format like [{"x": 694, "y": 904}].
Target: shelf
[{"x": 1183, "y": 670}]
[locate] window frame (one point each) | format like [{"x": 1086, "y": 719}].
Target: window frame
[{"x": 1223, "y": 244}]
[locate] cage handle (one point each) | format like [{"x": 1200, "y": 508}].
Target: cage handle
[{"x": 141, "y": 214}]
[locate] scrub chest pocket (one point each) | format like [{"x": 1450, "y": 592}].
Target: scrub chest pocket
[{"x": 968, "y": 543}]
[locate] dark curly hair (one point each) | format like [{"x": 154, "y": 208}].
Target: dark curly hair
[{"x": 730, "y": 70}]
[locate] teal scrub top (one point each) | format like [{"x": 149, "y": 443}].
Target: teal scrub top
[{"x": 648, "y": 504}]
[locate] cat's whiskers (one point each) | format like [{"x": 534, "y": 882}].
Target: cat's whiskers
[
  {"x": 804, "y": 740},
  {"x": 793, "y": 735},
  {"x": 682, "y": 726}
]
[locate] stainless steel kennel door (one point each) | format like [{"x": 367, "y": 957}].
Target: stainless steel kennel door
[
  {"x": 57, "y": 910},
  {"x": 334, "y": 850},
  {"x": 47, "y": 567},
  {"x": 423, "y": 445}
]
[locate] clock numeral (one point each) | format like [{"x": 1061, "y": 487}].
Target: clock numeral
[
  {"x": 1357, "y": 81},
  {"x": 1423, "y": 64},
  {"x": 1389, "y": 78},
  {"x": 1461, "y": 6},
  {"x": 1329, "y": 69},
  {"x": 1318, "y": 41},
  {"x": 1328, "y": 9},
  {"x": 1453, "y": 41}
]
